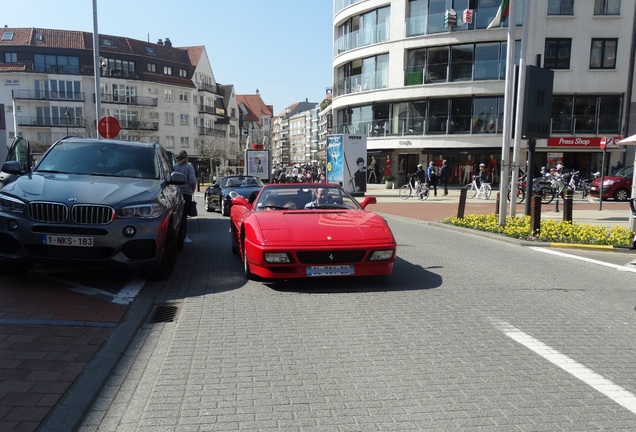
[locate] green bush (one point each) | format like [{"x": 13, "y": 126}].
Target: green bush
[{"x": 551, "y": 230}]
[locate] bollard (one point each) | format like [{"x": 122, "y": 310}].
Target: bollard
[
  {"x": 568, "y": 201},
  {"x": 497, "y": 204},
  {"x": 462, "y": 203},
  {"x": 535, "y": 215}
]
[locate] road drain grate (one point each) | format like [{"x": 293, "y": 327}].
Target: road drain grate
[{"x": 164, "y": 314}]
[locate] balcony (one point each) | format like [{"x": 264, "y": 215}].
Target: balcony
[
  {"x": 28, "y": 121},
  {"x": 139, "y": 125},
  {"x": 207, "y": 131},
  {"x": 210, "y": 88},
  {"x": 47, "y": 95},
  {"x": 129, "y": 100}
]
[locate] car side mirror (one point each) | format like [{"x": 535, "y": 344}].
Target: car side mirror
[
  {"x": 241, "y": 201},
  {"x": 368, "y": 200},
  {"x": 12, "y": 167},
  {"x": 177, "y": 178}
]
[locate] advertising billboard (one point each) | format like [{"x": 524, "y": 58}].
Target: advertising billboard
[
  {"x": 257, "y": 164},
  {"x": 346, "y": 161}
]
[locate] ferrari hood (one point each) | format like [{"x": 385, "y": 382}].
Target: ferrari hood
[
  {"x": 82, "y": 188},
  {"x": 322, "y": 227}
]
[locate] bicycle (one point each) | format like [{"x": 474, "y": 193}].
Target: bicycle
[
  {"x": 408, "y": 190},
  {"x": 482, "y": 191},
  {"x": 521, "y": 190}
]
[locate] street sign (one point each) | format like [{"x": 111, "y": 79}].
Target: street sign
[
  {"x": 603, "y": 142},
  {"x": 108, "y": 127}
]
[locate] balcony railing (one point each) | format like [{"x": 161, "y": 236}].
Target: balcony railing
[
  {"x": 47, "y": 95},
  {"x": 73, "y": 122},
  {"x": 363, "y": 37},
  {"x": 362, "y": 82},
  {"x": 139, "y": 125},
  {"x": 210, "y": 88},
  {"x": 207, "y": 131},
  {"x": 130, "y": 100}
]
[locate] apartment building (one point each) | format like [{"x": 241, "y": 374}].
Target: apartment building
[
  {"x": 157, "y": 92},
  {"x": 425, "y": 79},
  {"x": 295, "y": 139}
]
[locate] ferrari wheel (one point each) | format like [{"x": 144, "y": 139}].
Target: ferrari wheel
[{"x": 246, "y": 265}]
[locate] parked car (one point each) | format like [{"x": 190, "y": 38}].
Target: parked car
[
  {"x": 217, "y": 196},
  {"x": 93, "y": 201},
  {"x": 281, "y": 236},
  {"x": 617, "y": 186}
]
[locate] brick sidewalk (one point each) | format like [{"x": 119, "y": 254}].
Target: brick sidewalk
[{"x": 48, "y": 335}]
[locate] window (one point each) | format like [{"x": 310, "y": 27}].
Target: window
[
  {"x": 607, "y": 7},
  {"x": 10, "y": 57},
  {"x": 183, "y": 73},
  {"x": 184, "y": 119},
  {"x": 560, "y": 7},
  {"x": 169, "y": 118},
  {"x": 108, "y": 43},
  {"x": 585, "y": 114},
  {"x": 437, "y": 64},
  {"x": 485, "y": 115},
  {"x": 460, "y": 120},
  {"x": 185, "y": 142},
  {"x": 150, "y": 50},
  {"x": 56, "y": 64},
  {"x": 152, "y": 67},
  {"x": 557, "y": 53},
  {"x": 167, "y": 95},
  {"x": 603, "y": 54},
  {"x": 562, "y": 114},
  {"x": 169, "y": 144},
  {"x": 438, "y": 112},
  {"x": 167, "y": 70},
  {"x": 487, "y": 61},
  {"x": 183, "y": 96},
  {"x": 461, "y": 68},
  {"x": 609, "y": 114},
  {"x": 416, "y": 62},
  {"x": 7, "y": 36},
  {"x": 12, "y": 82}
]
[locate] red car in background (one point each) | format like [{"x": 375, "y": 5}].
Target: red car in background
[
  {"x": 301, "y": 230},
  {"x": 617, "y": 186}
]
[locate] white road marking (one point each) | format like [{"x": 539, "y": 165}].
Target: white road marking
[
  {"x": 588, "y": 376},
  {"x": 125, "y": 296},
  {"x": 589, "y": 260}
]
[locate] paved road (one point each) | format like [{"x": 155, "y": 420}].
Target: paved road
[
  {"x": 449, "y": 341},
  {"x": 57, "y": 344}
]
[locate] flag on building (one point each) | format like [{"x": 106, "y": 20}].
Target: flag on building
[{"x": 502, "y": 13}]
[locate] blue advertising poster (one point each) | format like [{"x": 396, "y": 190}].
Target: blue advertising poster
[{"x": 334, "y": 159}]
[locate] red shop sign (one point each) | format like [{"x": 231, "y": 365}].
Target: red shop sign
[{"x": 593, "y": 142}]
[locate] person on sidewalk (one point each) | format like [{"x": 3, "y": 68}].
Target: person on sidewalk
[
  {"x": 445, "y": 174},
  {"x": 431, "y": 173},
  {"x": 187, "y": 189}
]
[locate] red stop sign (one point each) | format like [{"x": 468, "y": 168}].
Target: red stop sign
[
  {"x": 108, "y": 127},
  {"x": 603, "y": 142}
]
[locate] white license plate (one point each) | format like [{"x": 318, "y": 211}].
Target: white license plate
[
  {"x": 346, "y": 270},
  {"x": 58, "y": 240}
]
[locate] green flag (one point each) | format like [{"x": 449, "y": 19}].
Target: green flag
[{"x": 502, "y": 13}]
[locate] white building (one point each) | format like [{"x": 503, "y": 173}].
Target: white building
[
  {"x": 423, "y": 91},
  {"x": 156, "y": 91}
]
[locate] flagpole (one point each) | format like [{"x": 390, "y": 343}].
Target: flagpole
[
  {"x": 521, "y": 95},
  {"x": 508, "y": 104}
]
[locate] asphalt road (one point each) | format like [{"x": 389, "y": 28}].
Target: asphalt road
[{"x": 470, "y": 332}]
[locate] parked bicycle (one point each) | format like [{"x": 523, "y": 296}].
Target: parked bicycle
[
  {"x": 483, "y": 191},
  {"x": 521, "y": 190},
  {"x": 419, "y": 190}
]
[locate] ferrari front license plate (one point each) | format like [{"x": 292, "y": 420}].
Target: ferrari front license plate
[
  {"x": 346, "y": 270},
  {"x": 58, "y": 240}
]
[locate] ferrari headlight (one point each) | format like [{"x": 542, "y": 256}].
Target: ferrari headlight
[
  {"x": 140, "y": 211},
  {"x": 11, "y": 204},
  {"x": 381, "y": 255},
  {"x": 276, "y": 258}
]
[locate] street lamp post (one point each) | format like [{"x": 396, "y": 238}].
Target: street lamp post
[{"x": 67, "y": 116}]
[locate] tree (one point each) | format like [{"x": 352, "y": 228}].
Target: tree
[{"x": 219, "y": 147}]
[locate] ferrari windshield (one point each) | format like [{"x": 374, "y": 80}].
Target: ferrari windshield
[{"x": 304, "y": 197}]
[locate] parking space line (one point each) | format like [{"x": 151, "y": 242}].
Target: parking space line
[
  {"x": 589, "y": 260},
  {"x": 588, "y": 376},
  {"x": 125, "y": 296}
]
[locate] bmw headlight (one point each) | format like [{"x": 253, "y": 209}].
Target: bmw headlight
[
  {"x": 140, "y": 211},
  {"x": 11, "y": 204}
]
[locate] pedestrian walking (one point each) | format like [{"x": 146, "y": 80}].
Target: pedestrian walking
[
  {"x": 431, "y": 173},
  {"x": 445, "y": 174}
]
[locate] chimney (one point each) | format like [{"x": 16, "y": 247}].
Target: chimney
[
  {"x": 168, "y": 43},
  {"x": 159, "y": 42}
]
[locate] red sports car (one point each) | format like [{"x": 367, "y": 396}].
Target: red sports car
[{"x": 299, "y": 230}]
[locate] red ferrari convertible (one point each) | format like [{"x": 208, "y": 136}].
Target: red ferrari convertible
[{"x": 299, "y": 230}]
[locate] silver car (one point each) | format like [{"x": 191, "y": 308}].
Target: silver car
[{"x": 93, "y": 201}]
